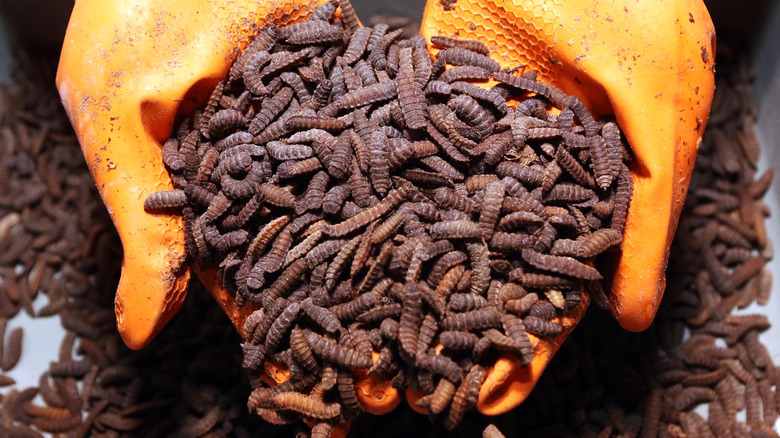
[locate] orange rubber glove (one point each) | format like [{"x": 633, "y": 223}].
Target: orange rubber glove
[
  {"x": 650, "y": 64},
  {"x": 129, "y": 67}
]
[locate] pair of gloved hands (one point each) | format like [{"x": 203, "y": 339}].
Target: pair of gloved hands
[{"x": 129, "y": 67}]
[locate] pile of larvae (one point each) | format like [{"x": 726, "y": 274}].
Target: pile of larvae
[{"x": 368, "y": 198}]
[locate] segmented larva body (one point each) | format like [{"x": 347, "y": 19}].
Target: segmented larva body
[
  {"x": 334, "y": 353},
  {"x": 307, "y": 405},
  {"x": 321, "y": 316},
  {"x": 463, "y": 43},
  {"x": 465, "y": 396},
  {"x": 165, "y": 199},
  {"x": 484, "y": 318},
  {"x": 410, "y": 95}
]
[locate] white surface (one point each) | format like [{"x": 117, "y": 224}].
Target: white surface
[
  {"x": 5, "y": 52},
  {"x": 41, "y": 342},
  {"x": 766, "y": 65}
]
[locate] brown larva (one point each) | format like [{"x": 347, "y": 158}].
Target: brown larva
[
  {"x": 461, "y": 229},
  {"x": 350, "y": 310},
  {"x": 367, "y": 95},
  {"x": 380, "y": 313},
  {"x": 341, "y": 158},
  {"x": 232, "y": 164},
  {"x": 307, "y": 405},
  {"x": 224, "y": 120},
  {"x": 321, "y": 316},
  {"x": 314, "y": 32},
  {"x": 165, "y": 199},
  {"x": 543, "y": 309},
  {"x": 525, "y": 174},
  {"x": 423, "y": 67},
  {"x": 466, "y": 302},
  {"x": 500, "y": 341},
  {"x": 480, "y": 266},
  {"x": 623, "y": 193},
  {"x": 442, "y": 395},
  {"x": 346, "y": 388},
  {"x": 376, "y": 269},
  {"x": 271, "y": 108},
  {"x": 55, "y": 425},
  {"x": 522, "y": 305},
  {"x": 367, "y": 216},
  {"x": 510, "y": 242},
  {"x": 449, "y": 149},
  {"x": 443, "y": 264},
  {"x": 242, "y": 188},
  {"x": 218, "y": 206},
  {"x": 411, "y": 317},
  {"x": 560, "y": 264},
  {"x": 303, "y": 122},
  {"x": 280, "y": 151},
  {"x": 401, "y": 151},
  {"x": 461, "y": 56},
  {"x": 302, "y": 351},
  {"x": 463, "y": 43},
  {"x": 426, "y": 179},
  {"x": 441, "y": 166},
  {"x": 379, "y": 164},
  {"x": 357, "y": 45},
  {"x": 388, "y": 227},
  {"x": 277, "y": 196},
  {"x": 426, "y": 334},
  {"x": 207, "y": 164},
  {"x": 482, "y": 94},
  {"x": 389, "y": 329},
  {"x": 334, "y": 353},
  {"x": 438, "y": 87},
  {"x": 284, "y": 60},
  {"x": 323, "y": 252},
  {"x": 598, "y": 242},
  {"x": 199, "y": 427},
  {"x": 490, "y": 208},
  {"x": 287, "y": 280},
  {"x": 453, "y": 128},
  {"x": 334, "y": 198},
  {"x": 465, "y": 396},
  {"x": 339, "y": 263},
  {"x": 448, "y": 283},
  {"x": 362, "y": 152},
  {"x": 464, "y": 73},
  {"x": 171, "y": 156},
  {"x": 253, "y": 80},
  {"x": 302, "y": 248},
  {"x": 263, "y": 41},
  {"x": 487, "y": 317},
  {"x": 367, "y": 75},
  {"x": 410, "y": 95},
  {"x": 546, "y": 235},
  {"x": 458, "y": 340},
  {"x": 541, "y": 327},
  {"x": 522, "y": 83},
  {"x": 519, "y": 220},
  {"x": 377, "y": 50},
  {"x": 272, "y": 260},
  {"x": 13, "y": 348},
  {"x": 441, "y": 365}
]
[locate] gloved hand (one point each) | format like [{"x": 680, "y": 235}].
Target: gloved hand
[
  {"x": 650, "y": 64},
  {"x": 129, "y": 67}
]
